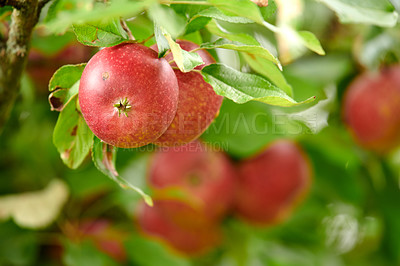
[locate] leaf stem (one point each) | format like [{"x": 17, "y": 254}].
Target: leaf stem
[
  {"x": 147, "y": 39},
  {"x": 196, "y": 49},
  {"x": 126, "y": 29},
  {"x": 271, "y": 27}
]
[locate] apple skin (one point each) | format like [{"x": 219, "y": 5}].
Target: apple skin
[
  {"x": 156, "y": 224},
  {"x": 272, "y": 183},
  {"x": 198, "y": 104},
  {"x": 134, "y": 72},
  {"x": 372, "y": 109},
  {"x": 205, "y": 178}
]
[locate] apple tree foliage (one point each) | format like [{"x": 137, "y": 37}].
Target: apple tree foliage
[{"x": 283, "y": 70}]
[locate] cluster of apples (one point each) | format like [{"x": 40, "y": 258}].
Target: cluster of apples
[
  {"x": 196, "y": 187},
  {"x": 129, "y": 97},
  {"x": 372, "y": 109}
]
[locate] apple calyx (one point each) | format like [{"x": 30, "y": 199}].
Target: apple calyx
[{"x": 123, "y": 106}]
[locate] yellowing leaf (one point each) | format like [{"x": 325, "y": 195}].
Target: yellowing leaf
[{"x": 35, "y": 209}]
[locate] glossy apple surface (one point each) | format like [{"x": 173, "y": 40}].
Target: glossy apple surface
[
  {"x": 128, "y": 96},
  {"x": 198, "y": 104},
  {"x": 272, "y": 183}
]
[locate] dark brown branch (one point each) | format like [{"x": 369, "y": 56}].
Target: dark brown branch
[
  {"x": 14, "y": 54},
  {"x": 14, "y": 3}
]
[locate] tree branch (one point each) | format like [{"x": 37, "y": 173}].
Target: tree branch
[{"x": 14, "y": 54}]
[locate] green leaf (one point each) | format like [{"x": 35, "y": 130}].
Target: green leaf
[
  {"x": 186, "y": 61},
  {"x": 256, "y": 50},
  {"x": 18, "y": 246},
  {"x": 152, "y": 253},
  {"x": 311, "y": 42},
  {"x": 166, "y": 17},
  {"x": 242, "y": 87},
  {"x": 104, "y": 157},
  {"x": 215, "y": 13},
  {"x": 268, "y": 11},
  {"x": 196, "y": 24},
  {"x": 241, "y": 8},
  {"x": 269, "y": 70},
  {"x": 62, "y": 14},
  {"x": 162, "y": 43},
  {"x": 243, "y": 130},
  {"x": 363, "y": 11},
  {"x": 72, "y": 137},
  {"x": 214, "y": 28},
  {"x": 101, "y": 34},
  {"x": 66, "y": 76},
  {"x": 85, "y": 253},
  {"x": 62, "y": 85},
  {"x": 36, "y": 209}
]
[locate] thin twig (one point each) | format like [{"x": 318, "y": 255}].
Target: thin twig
[
  {"x": 147, "y": 39},
  {"x": 127, "y": 30}
]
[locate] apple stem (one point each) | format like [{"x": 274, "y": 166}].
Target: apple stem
[
  {"x": 126, "y": 29},
  {"x": 147, "y": 39},
  {"x": 123, "y": 106}
]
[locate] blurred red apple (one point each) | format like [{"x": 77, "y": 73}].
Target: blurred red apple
[
  {"x": 101, "y": 232},
  {"x": 154, "y": 222},
  {"x": 198, "y": 104},
  {"x": 372, "y": 109},
  {"x": 41, "y": 67},
  {"x": 204, "y": 178},
  {"x": 272, "y": 183}
]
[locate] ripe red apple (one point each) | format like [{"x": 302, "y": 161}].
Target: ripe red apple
[
  {"x": 204, "y": 177},
  {"x": 128, "y": 96},
  {"x": 157, "y": 224},
  {"x": 103, "y": 235},
  {"x": 198, "y": 104},
  {"x": 372, "y": 109},
  {"x": 272, "y": 183}
]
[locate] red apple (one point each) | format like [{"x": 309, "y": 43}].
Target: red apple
[
  {"x": 128, "y": 96},
  {"x": 272, "y": 183},
  {"x": 204, "y": 177},
  {"x": 157, "y": 224},
  {"x": 372, "y": 109},
  {"x": 198, "y": 104}
]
